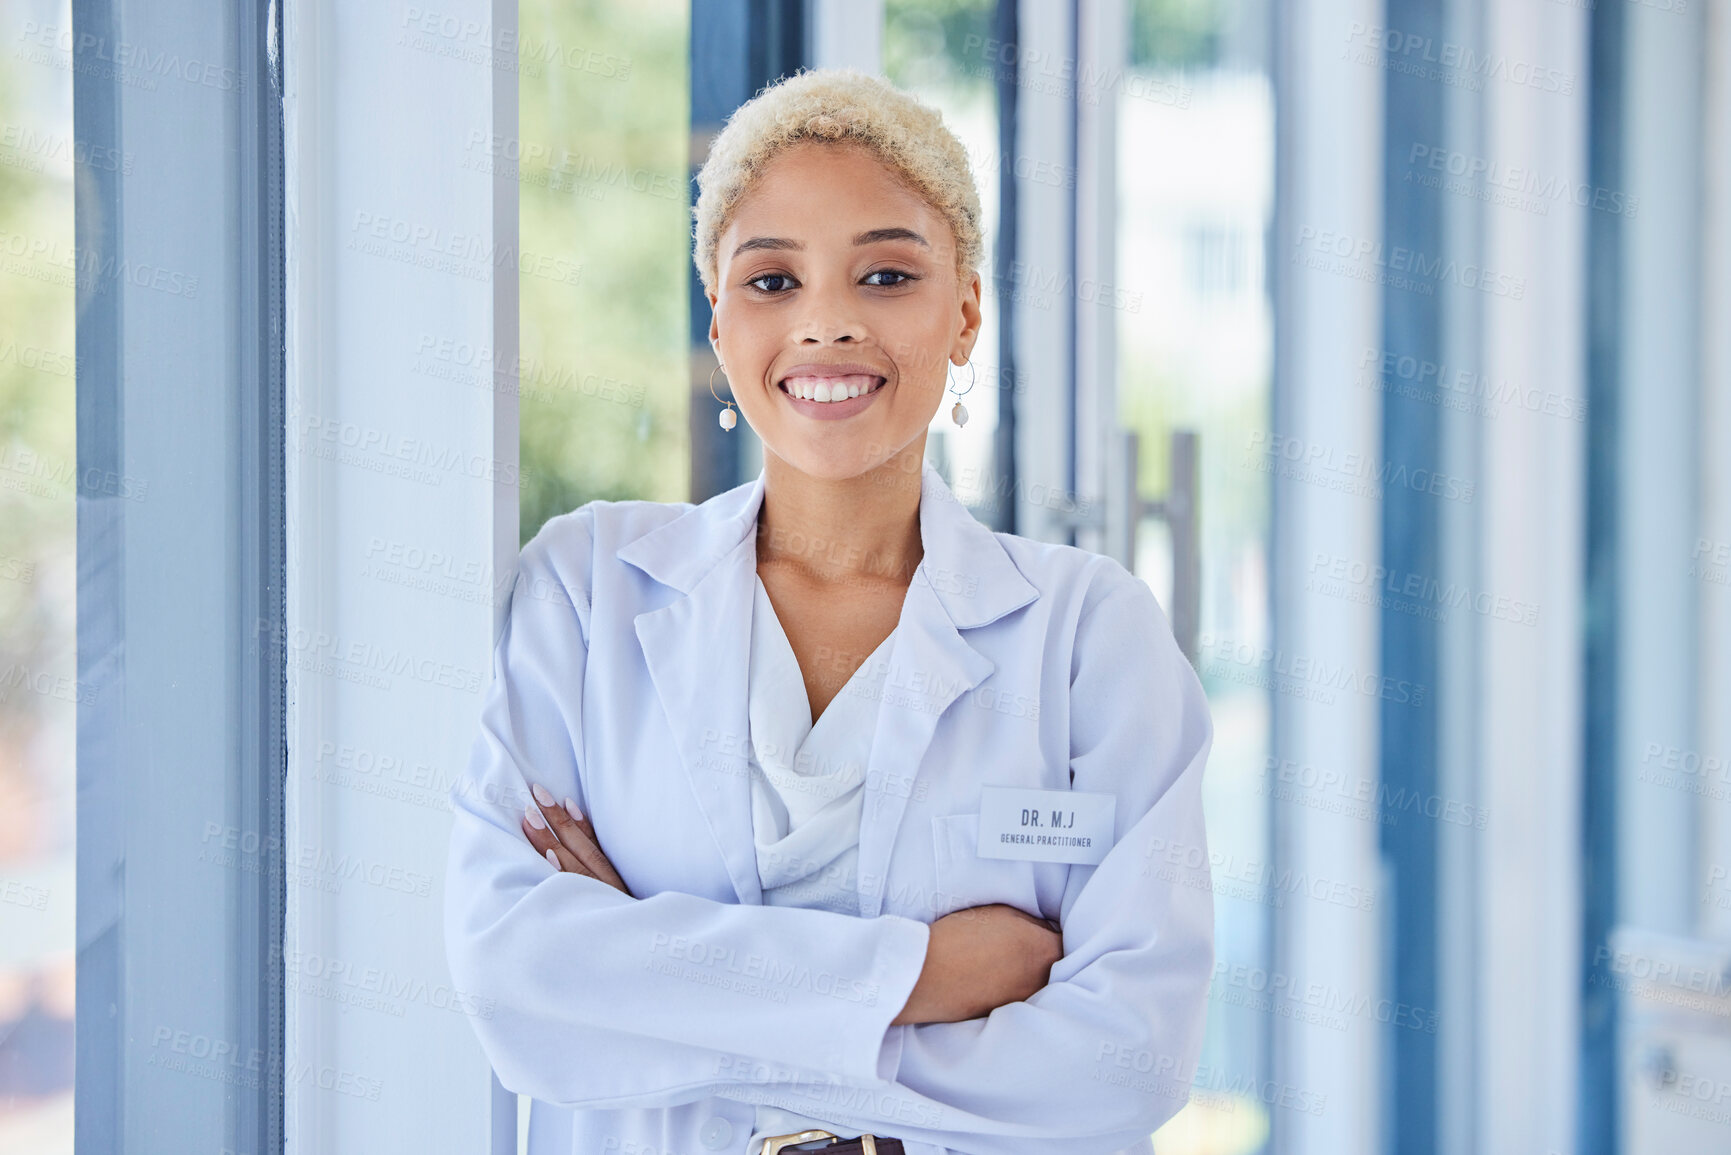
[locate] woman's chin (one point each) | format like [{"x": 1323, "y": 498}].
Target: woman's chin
[{"x": 843, "y": 462}]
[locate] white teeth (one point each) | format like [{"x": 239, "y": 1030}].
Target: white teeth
[{"x": 829, "y": 389}]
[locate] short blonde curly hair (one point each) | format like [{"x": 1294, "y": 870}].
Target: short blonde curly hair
[{"x": 838, "y": 106}]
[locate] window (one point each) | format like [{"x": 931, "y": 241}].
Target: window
[
  {"x": 39, "y": 685},
  {"x": 1196, "y": 197},
  {"x": 602, "y": 158}
]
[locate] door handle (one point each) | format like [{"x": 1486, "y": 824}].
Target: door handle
[{"x": 1178, "y": 508}]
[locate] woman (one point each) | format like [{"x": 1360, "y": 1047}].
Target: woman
[{"x": 819, "y": 810}]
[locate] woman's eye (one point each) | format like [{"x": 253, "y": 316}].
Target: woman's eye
[{"x": 774, "y": 284}]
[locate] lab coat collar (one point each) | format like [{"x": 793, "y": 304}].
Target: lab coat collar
[
  {"x": 974, "y": 578},
  {"x": 965, "y": 579}
]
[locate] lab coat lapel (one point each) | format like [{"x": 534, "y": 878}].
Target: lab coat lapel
[
  {"x": 930, "y": 666},
  {"x": 964, "y": 580},
  {"x": 697, "y": 648}
]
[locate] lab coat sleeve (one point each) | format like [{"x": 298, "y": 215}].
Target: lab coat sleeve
[
  {"x": 1105, "y": 1052},
  {"x": 589, "y": 997},
  {"x": 1108, "y": 1047}
]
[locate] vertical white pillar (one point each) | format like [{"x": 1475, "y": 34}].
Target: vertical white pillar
[
  {"x": 1103, "y": 33},
  {"x": 1037, "y": 294},
  {"x": 1710, "y": 557},
  {"x": 1460, "y": 739},
  {"x": 402, "y": 500},
  {"x": 1529, "y": 511},
  {"x": 1657, "y": 472},
  {"x": 848, "y": 34},
  {"x": 1329, "y": 188}
]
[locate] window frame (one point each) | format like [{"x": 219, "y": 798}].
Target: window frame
[{"x": 181, "y": 739}]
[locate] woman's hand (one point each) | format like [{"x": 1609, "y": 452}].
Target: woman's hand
[
  {"x": 980, "y": 959},
  {"x": 564, "y": 837}
]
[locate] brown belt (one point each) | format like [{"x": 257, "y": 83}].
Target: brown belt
[{"x": 864, "y": 1145}]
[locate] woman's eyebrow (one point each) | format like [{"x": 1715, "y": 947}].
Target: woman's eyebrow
[
  {"x": 870, "y": 236},
  {"x": 768, "y": 243}
]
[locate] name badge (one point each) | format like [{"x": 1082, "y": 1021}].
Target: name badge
[{"x": 1045, "y": 825}]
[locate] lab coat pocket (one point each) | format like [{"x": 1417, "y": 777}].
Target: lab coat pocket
[{"x": 965, "y": 879}]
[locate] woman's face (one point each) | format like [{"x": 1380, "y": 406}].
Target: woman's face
[{"x": 834, "y": 278}]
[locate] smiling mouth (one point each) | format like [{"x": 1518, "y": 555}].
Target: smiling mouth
[{"x": 830, "y": 389}]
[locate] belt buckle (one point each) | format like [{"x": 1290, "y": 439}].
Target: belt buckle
[{"x": 773, "y": 1144}]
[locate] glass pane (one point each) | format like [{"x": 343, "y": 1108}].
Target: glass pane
[
  {"x": 1196, "y": 166},
  {"x": 604, "y": 93},
  {"x": 38, "y": 671}
]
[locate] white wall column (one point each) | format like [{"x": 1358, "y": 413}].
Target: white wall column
[
  {"x": 1329, "y": 181},
  {"x": 1103, "y": 32},
  {"x": 1710, "y": 559},
  {"x": 1530, "y": 529},
  {"x": 402, "y": 536},
  {"x": 847, "y": 34},
  {"x": 1658, "y": 475},
  {"x": 1037, "y": 293}
]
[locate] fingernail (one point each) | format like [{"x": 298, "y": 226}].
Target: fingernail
[
  {"x": 554, "y": 859},
  {"x": 535, "y": 819},
  {"x": 571, "y": 809},
  {"x": 542, "y": 794}
]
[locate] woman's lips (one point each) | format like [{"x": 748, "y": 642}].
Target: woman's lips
[
  {"x": 857, "y": 390},
  {"x": 830, "y": 389}
]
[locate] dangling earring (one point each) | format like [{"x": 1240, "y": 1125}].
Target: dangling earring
[
  {"x": 959, "y": 412},
  {"x": 728, "y": 417}
]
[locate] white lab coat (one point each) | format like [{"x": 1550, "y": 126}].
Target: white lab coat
[{"x": 652, "y": 1025}]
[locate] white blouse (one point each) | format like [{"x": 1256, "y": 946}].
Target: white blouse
[{"x": 806, "y": 790}]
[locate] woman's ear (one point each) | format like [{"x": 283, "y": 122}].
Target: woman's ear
[{"x": 972, "y": 317}]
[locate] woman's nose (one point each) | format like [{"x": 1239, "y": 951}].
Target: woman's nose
[{"x": 828, "y": 318}]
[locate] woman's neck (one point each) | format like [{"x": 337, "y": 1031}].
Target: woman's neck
[{"x": 861, "y": 530}]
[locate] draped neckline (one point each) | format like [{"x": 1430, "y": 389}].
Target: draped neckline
[{"x": 785, "y": 663}]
